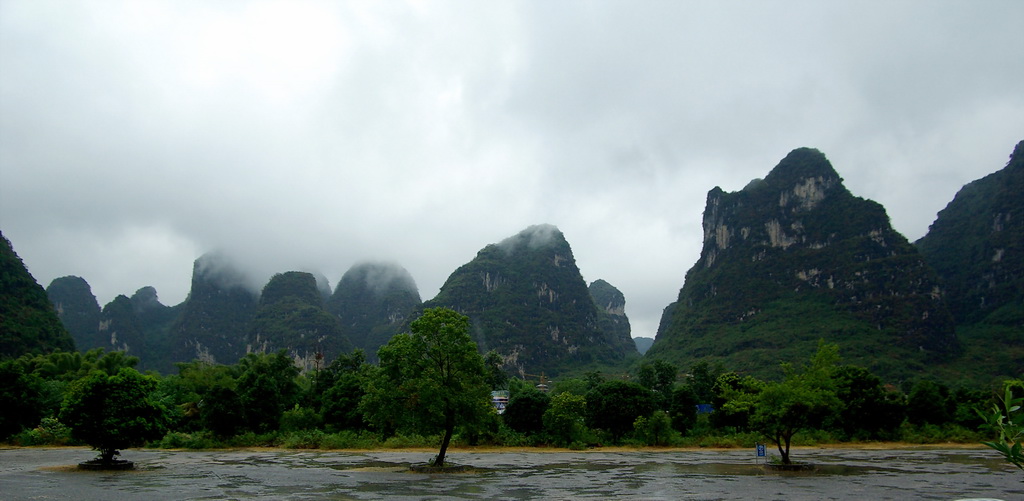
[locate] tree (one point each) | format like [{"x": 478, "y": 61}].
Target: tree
[
  {"x": 615, "y": 405},
  {"x": 21, "y": 398},
  {"x": 868, "y": 410},
  {"x": 659, "y": 377},
  {"x": 339, "y": 405},
  {"x": 114, "y": 412},
  {"x": 1007, "y": 419},
  {"x": 266, "y": 388},
  {"x": 683, "y": 409},
  {"x": 525, "y": 411},
  {"x": 430, "y": 379},
  {"x": 802, "y": 400},
  {"x": 930, "y": 403},
  {"x": 564, "y": 418}
]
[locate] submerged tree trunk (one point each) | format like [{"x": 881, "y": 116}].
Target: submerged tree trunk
[
  {"x": 107, "y": 455},
  {"x": 781, "y": 439},
  {"x": 449, "y": 428}
]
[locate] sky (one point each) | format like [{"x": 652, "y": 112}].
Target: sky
[{"x": 137, "y": 135}]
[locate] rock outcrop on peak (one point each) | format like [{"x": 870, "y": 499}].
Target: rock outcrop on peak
[
  {"x": 528, "y": 302},
  {"x": 373, "y": 300},
  {"x": 795, "y": 258},
  {"x": 77, "y": 309},
  {"x": 611, "y": 308},
  {"x": 291, "y": 317}
]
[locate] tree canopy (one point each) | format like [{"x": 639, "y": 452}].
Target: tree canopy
[{"x": 431, "y": 379}]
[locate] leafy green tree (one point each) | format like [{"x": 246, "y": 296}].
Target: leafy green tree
[
  {"x": 340, "y": 403},
  {"x": 659, "y": 377},
  {"x": 702, "y": 381},
  {"x": 683, "y": 409},
  {"x": 221, "y": 411},
  {"x": 266, "y": 388},
  {"x": 930, "y": 402},
  {"x": 21, "y": 398},
  {"x": 655, "y": 429},
  {"x": 730, "y": 386},
  {"x": 564, "y": 418},
  {"x": 430, "y": 379},
  {"x": 615, "y": 405},
  {"x": 525, "y": 411},
  {"x": 114, "y": 412},
  {"x": 1007, "y": 419},
  {"x": 802, "y": 400},
  {"x": 868, "y": 410}
]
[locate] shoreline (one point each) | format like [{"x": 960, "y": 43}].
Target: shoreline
[{"x": 486, "y": 449}]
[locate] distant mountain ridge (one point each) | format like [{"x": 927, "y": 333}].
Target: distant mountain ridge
[{"x": 789, "y": 259}]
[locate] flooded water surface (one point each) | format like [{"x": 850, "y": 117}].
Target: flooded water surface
[{"x": 898, "y": 474}]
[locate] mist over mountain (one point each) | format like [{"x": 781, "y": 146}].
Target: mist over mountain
[
  {"x": 527, "y": 300},
  {"x": 28, "y": 321},
  {"x": 214, "y": 321},
  {"x": 77, "y": 309},
  {"x": 291, "y": 317},
  {"x": 795, "y": 258},
  {"x": 373, "y": 301}
]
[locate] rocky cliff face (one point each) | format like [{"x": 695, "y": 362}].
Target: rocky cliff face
[
  {"x": 794, "y": 258},
  {"x": 120, "y": 329},
  {"x": 291, "y": 316},
  {"x": 214, "y": 321},
  {"x": 373, "y": 301},
  {"x": 611, "y": 308},
  {"x": 976, "y": 244},
  {"x": 527, "y": 300},
  {"x": 77, "y": 309}
]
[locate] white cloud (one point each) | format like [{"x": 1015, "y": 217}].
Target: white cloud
[{"x": 314, "y": 135}]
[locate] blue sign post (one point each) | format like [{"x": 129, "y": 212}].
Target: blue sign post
[{"x": 761, "y": 453}]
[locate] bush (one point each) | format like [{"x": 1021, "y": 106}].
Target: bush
[
  {"x": 303, "y": 439},
  {"x": 49, "y": 432},
  {"x": 197, "y": 440},
  {"x": 655, "y": 430},
  {"x": 300, "y": 418},
  {"x": 401, "y": 441},
  {"x": 350, "y": 440}
]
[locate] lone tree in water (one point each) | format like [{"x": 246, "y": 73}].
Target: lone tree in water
[
  {"x": 430, "y": 379},
  {"x": 113, "y": 412}
]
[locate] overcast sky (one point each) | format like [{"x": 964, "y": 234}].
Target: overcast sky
[{"x": 136, "y": 135}]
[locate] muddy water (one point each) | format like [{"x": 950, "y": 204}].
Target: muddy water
[{"x": 898, "y": 474}]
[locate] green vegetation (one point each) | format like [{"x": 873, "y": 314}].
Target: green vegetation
[
  {"x": 28, "y": 322},
  {"x": 527, "y": 301},
  {"x": 423, "y": 395},
  {"x": 795, "y": 258},
  {"x": 113, "y": 412},
  {"x": 1007, "y": 418},
  {"x": 432, "y": 379}
]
